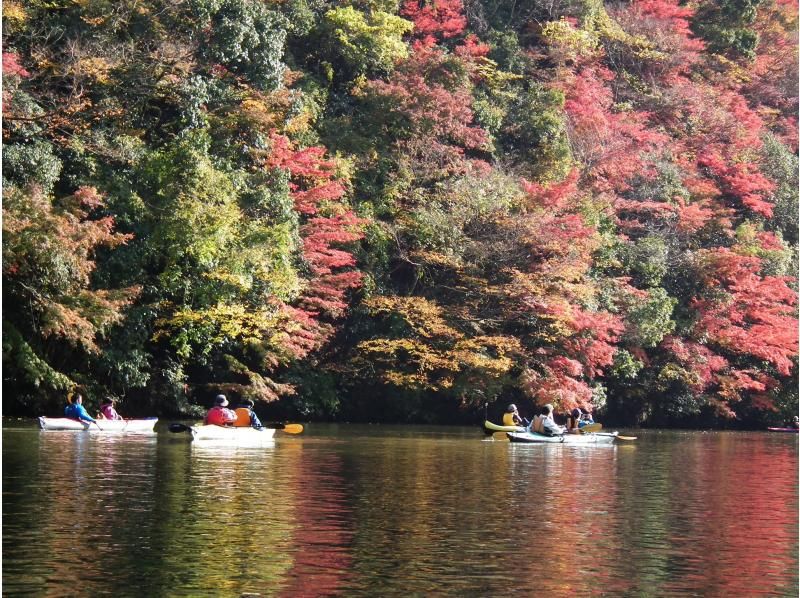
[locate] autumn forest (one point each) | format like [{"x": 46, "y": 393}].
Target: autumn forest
[{"x": 400, "y": 211}]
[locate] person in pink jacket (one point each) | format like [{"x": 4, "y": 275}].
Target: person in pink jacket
[{"x": 107, "y": 409}]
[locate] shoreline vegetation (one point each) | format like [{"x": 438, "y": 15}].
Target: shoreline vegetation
[{"x": 401, "y": 211}]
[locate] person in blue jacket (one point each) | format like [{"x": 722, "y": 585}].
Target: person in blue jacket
[{"x": 76, "y": 410}]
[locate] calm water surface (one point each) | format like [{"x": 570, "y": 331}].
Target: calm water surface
[{"x": 399, "y": 511}]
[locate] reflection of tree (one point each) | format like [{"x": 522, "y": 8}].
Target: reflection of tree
[
  {"x": 570, "y": 532},
  {"x": 88, "y": 488},
  {"x": 227, "y": 525},
  {"x": 323, "y": 523},
  {"x": 421, "y": 506},
  {"x": 669, "y": 515},
  {"x": 726, "y": 553}
]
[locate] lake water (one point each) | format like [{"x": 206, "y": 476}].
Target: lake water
[{"x": 399, "y": 511}]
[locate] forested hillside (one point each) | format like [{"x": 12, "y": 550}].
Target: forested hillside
[{"x": 389, "y": 211}]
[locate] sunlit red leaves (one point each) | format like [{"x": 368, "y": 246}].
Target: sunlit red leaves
[
  {"x": 740, "y": 180},
  {"x": 472, "y": 47},
  {"x": 693, "y": 216},
  {"x": 433, "y": 110},
  {"x": 435, "y": 20},
  {"x": 594, "y": 339},
  {"x": 664, "y": 24},
  {"x": 427, "y": 105},
  {"x": 755, "y": 317},
  {"x": 555, "y": 197},
  {"x": 575, "y": 343},
  {"x": 772, "y": 82},
  {"x": 329, "y": 225},
  {"x": 11, "y": 65},
  {"x": 610, "y": 145}
]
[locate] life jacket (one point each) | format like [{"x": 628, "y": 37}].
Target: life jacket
[
  {"x": 537, "y": 424},
  {"x": 508, "y": 420},
  {"x": 220, "y": 416},
  {"x": 242, "y": 417},
  {"x": 550, "y": 427}
]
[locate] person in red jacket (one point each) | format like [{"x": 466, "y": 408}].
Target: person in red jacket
[{"x": 219, "y": 414}]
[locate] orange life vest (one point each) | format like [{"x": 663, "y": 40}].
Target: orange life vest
[{"x": 242, "y": 417}]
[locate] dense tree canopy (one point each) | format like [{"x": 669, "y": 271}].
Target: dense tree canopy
[{"x": 403, "y": 210}]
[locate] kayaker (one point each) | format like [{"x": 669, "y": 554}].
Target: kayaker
[
  {"x": 586, "y": 419},
  {"x": 245, "y": 416},
  {"x": 107, "y": 410},
  {"x": 795, "y": 422},
  {"x": 511, "y": 416},
  {"x": 545, "y": 424},
  {"x": 219, "y": 414},
  {"x": 76, "y": 410},
  {"x": 573, "y": 421}
]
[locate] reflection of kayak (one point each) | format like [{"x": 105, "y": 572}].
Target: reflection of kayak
[
  {"x": 572, "y": 439},
  {"x": 103, "y": 425},
  {"x": 790, "y": 430},
  {"x": 231, "y": 435}
]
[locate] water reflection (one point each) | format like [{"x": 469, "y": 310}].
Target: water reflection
[{"x": 369, "y": 511}]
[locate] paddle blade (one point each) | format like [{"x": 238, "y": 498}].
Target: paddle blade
[{"x": 293, "y": 428}]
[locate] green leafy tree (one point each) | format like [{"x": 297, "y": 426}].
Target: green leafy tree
[
  {"x": 364, "y": 43},
  {"x": 726, "y": 25}
]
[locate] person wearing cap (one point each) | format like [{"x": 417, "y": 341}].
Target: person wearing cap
[
  {"x": 107, "y": 410},
  {"x": 586, "y": 419},
  {"x": 511, "y": 416},
  {"x": 245, "y": 416},
  {"x": 76, "y": 410},
  {"x": 219, "y": 414}
]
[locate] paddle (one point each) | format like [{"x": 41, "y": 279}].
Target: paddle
[
  {"x": 288, "y": 428},
  {"x": 617, "y": 436},
  {"x": 486, "y": 430}
]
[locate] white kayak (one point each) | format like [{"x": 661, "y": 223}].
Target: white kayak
[
  {"x": 235, "y": 436},
  {"x": 139, "y": 426},
  {"x": 592, "y": 438}
]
